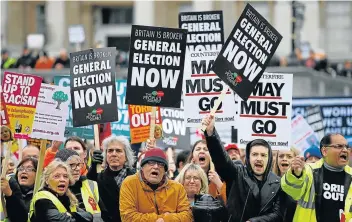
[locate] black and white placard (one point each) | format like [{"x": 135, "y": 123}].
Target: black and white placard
[
  {"x": 247, "y": 52},
  {"x": 93, "y": 89},
  {"x": 205, "y": 30},
  {"x": 315, "y": 120},
  {"x": 155, "y": 72}
]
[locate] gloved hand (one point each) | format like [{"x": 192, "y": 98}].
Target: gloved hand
[{"x": 97, "y": 157}]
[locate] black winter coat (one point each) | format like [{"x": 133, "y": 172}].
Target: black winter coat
[
  {"x": 109, "y": 191},
  {"x": 246, "y": 201},
  {"x": 46, "y": 211}
]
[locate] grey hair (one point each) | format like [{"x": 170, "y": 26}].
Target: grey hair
[{"x": 130, "y": 158}]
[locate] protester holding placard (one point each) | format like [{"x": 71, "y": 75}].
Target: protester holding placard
[
  {"x": 200, "y": 155},
  {"x": 119, "y": 160},
  {"x": 323, "y": 189},
  {"x": 54, "y": 201},
  {"x": 255, "y": 191},
  {"x": 86, "y": 191}
]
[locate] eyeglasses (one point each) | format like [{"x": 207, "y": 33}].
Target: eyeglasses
[
  {"x": 189, "y": 178},
  {"x": 27, "y": 170},
  {"x": 152, "y": 163},
  {"x": 339, "y": 146},
  {"x": 75, "y": 166}
]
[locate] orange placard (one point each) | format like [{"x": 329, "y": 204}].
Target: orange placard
[{"x": 140, "y": 123}]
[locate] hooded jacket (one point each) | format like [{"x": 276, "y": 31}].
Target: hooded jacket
[{"x": 249, "y": 199}]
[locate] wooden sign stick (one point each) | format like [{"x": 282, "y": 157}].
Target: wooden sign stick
[
  {"x": 40, "y": 166},
  {"x": 217, "y": 104},
  {"x": 6, "y": 160},
  {"x": 170, "y": 158},
  {"x": 152, "y": 122},
  {"x": 20, "y": 147},
  {"x": 97, "y": 144}
]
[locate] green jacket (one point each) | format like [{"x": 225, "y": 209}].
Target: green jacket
[{"x": 308, "y": 188}]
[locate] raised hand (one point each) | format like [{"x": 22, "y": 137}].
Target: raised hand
[
  {"x": 208, "y": 121},
  {"x": 297, "y": 165}
]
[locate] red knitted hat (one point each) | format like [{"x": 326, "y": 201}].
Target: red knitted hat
[{"x": 156, "y": 155}]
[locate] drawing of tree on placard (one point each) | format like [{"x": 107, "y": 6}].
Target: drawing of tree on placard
[{"x": 60, "y": 97}]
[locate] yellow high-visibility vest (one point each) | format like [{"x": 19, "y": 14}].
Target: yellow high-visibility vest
[
  {"x": 90, "y": 196},
  {"x": 47, "y": 195}
]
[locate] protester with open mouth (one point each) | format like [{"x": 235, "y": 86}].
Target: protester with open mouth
[
  {"x": 17, "y": 191},
  {"x": 149, "y": 195},
  {"x": 54, "y": 201},
  {"x": 200, "y": 155},
  {"x": 255, "y": 192},
  {"x": 323, "y": 189},
  {"x": 25, "y": 176},
  {"x": 282, "y": 163},
  {"x": 86, "y": 191},
  {"x": 119, "y": 159}
]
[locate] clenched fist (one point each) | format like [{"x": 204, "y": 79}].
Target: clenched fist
[
  {"x": 297, "y": 166},
  {"x": 208, "y": 121}
]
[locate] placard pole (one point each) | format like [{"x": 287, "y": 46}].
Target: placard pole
[
  {"x": 97, "y": 144},
  {"x": 40, "y": 166},
  {"x": 152, "y": 122},
  {"x": 217, "y": 104}
]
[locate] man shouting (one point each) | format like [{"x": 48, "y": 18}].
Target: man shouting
[
  {"x": 255, "y": 192},
  {"x": 323, "y": 189}
]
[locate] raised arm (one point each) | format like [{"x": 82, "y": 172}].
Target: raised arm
[{"x": 224, "y": 166}]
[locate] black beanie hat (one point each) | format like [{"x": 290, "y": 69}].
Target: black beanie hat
[
  {"x": 156, "y": 155},
  {"x": 65, "y": 154}
]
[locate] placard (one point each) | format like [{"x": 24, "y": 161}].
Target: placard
[
  {"x": 93, "y": 89},
  {"x": 51, "y": 113},
  {"x": 303, "y": 136},
  {"x": 82, "y": 132},
  {"x": 267, "y": 113},
  {"x": 140, "y": 123},
  {"x": 156, "y": 63},
  {"x": 201, "y": 90},
  {"x": 20, "y": 94},
  {"x": 175, "y": 133},
  {"x": 315, "y": 120},
  {"x": 3, "y": 112},
  {"x": 247, "y": 52},
  {"x": 122, "y": 126},
  {"x": 205, "y": 30}
]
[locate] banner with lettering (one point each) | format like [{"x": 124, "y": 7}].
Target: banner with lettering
[
  {"x": 267, "y": 112},
  {"x": 122, "y": 125},
  {"x": 303, "y": 136},
  {"x": 140, "y": 123},
  {"x": 201, "y": 90},
  {"x": 336, "y": 113},
  {"x": 205, "y": 30},
  {"x": 86, "y": 132},
  {"x": 175, "y": 132},
  {"x": 3, "y": 112},
  {"x": 93, "y": 89},
  {"x": 51, "y": 113},
  {"x": 315, "y": 120},
  {"x": 20, "y": 94},
  {"x": 247, "y": 52},
  {"x": 156, "y": 63}
]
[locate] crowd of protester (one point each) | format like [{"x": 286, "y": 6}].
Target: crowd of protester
[{"x": 211, "y": 182}]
